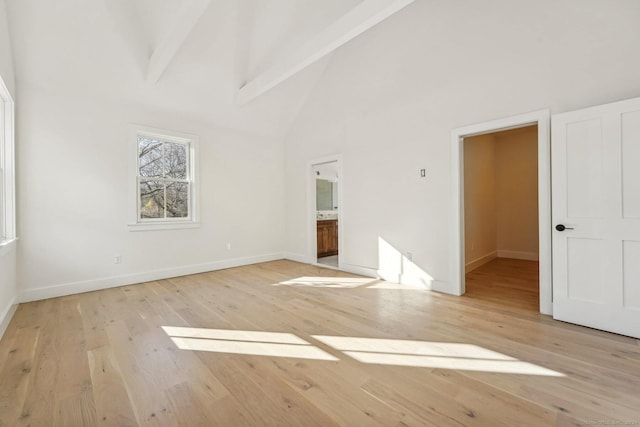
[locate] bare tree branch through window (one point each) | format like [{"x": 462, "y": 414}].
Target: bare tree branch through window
[{"x": 163, "y": 179}]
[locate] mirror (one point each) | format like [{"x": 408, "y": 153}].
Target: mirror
[{"x": 326, "y": 193}]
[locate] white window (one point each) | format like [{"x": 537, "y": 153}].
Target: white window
[
  {"x": 7, "y": 171},
  {"x": 164, "y": 165}
]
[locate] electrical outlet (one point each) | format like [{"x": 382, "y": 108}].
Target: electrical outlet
[
  {"x": 117, "y": 259},
  {"x": 228, "y": 246},
  {"x": 423, "y": 173}
]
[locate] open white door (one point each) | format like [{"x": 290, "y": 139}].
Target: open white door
[{"x": 595, "y": 157}]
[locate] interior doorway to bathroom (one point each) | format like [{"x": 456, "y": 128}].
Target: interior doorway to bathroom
[{"x": 327, "y": 217}]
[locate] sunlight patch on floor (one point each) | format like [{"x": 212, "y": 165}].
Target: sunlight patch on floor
[
  {"x": 328, "y": 282},
  {"x": 235, "y": 335},
  {"x": 425, "y": 354},
  {"x": 258, "y": 343},
  {"x": 348, "y": 282},
  {"x": 253, "y": 348},
  {"x": 381, "y": 351},
  {"x": 396, "y": 286}
]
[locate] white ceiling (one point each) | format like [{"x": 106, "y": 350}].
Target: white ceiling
[{"x": 100, "y": 49}]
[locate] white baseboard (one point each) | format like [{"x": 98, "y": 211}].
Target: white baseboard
[
  {"x": 478, "y": 262},
  {"x": 130, "y": 279},
  {"x": 529, "y": 256},
  {"x": 356, "y": 269},
  {"x": 418, "y": 280},
  {"x": 443, "y": 287},
  {"x": 297, "y": 257},
  {"x": 349, "y": 268},
  {"x": 6, "y": 315}
]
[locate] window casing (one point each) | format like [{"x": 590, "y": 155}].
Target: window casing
[
  {"x": 7, "y": 171},
  {"x": 164, "y": 165}
]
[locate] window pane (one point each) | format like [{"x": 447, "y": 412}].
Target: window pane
[
  {"x": 151, "y": 199},
  {"x": 150, "y": 157},
  {"x": 177, "y": 200},
  {"x": 175, "y": 160}
]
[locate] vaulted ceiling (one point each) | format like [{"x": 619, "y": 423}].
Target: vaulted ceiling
[{"x": 243, "y": 64}]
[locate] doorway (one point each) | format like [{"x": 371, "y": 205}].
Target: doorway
[
  {"x": 501, "y": 217},
  {"x": 541, "y": 120},
  {"x": 327, "y": 218},
  {"x": 325, "y": 189}
]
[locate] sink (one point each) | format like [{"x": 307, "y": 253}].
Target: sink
[{"x": 327, "y": 215}]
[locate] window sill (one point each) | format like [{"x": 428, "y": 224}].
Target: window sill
[
  {"x": 154, "y": 226},
  {"x": 7, "y": 246}
]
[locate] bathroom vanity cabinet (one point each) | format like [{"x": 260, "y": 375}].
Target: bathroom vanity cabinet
[{"x": 327, "y": 237}]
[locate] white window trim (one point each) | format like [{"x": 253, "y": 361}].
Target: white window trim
[
  {"x": 134, "y": 222},
  {"x": 8, "y": 235}
]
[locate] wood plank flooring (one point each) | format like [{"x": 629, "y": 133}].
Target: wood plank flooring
[{"x": 288, "y": 344}]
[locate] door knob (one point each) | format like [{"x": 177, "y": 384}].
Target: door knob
[{"x": 561, "y": 227}]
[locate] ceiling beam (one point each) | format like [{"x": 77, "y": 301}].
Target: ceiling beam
[
  {"x": 355, "y": 22},
  {"x": 174, "y": 36}
]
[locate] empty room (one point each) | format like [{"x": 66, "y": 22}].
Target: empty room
[{"x": 319, "y": 212}]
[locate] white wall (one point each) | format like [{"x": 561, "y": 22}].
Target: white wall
[
  {"x": 7, "y": 260},
  {"x": 516, "y": 178},
  {"x": 480, "y": 215},
  {"x": 389, "y": 99},
  {"x": 72, "y": 198}
]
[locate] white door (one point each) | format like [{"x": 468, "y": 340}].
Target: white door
[{"x": 595, "y": 158}]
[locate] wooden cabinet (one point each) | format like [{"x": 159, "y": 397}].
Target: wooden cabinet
[{"x": 327, "y": 237}]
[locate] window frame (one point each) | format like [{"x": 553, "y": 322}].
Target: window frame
[
  {"x": 136, "y": 222},
  {"x": 8, "y": 234}
]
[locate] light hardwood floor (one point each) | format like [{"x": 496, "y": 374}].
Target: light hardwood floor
[{"x": 325, "y": 348}]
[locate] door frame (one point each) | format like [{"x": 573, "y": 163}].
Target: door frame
[
  {"x": 312, "y": 238},
  {"x": 541, "y": 118}
]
